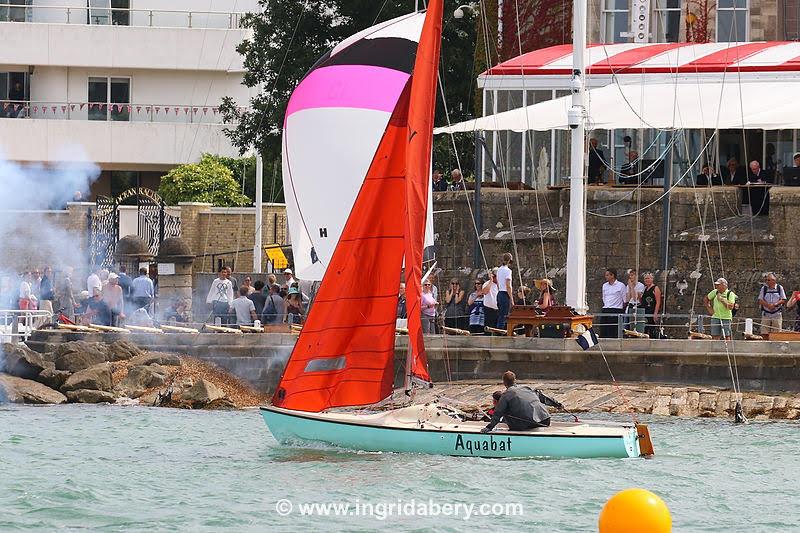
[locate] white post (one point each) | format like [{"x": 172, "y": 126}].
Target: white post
[
  {"x": 257, "y": 247},
  {"x": 576, "y": 243}
]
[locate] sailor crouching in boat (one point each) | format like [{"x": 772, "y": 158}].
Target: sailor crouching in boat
[{"x": 520, "y": 407}]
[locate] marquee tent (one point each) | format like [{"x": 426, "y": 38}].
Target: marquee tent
[{"x": 666, "y": 85}]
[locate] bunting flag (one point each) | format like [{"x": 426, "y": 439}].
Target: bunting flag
[
  {"x": 176, "y": 110},
  {"x": 185, "y": 110},
  {"x": 72, "y": 107},
  {"x": 82, "y": 104},
  {"x": 63, "y": 109},
  {"x": 128, "y": 108},
  {"x": 194, "y": 110},
  {"x": 138, "y": 109},
  {"x": 205, "y": 110},
  {"x": 158, "y": 109}
]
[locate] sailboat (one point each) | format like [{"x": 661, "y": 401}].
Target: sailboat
[{"x": 344, "y": 356}]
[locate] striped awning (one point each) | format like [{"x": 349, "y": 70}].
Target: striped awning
[{"x": 661, "y": 58}]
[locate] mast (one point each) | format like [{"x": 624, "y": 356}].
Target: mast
[{"x": 576, "y": 242}]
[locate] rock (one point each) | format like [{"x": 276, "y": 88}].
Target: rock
[
  {"x": 90, "y": 396},
  {"x": 97, "y": 377},
  {"x": 53, "y": 378},
  {"x": 21, "y": 361},
  {"x": 141, "y": 378},
  {"x": 159, "y": 358},
  {"x": 79, "y": 355},
  {"x": 19, "y": 390},
  {"x": 202, "y": 393},
  {"x": 123, "y": 350},
  {"x": 708, "y": 403}
]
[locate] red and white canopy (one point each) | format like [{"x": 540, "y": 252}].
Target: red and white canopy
[
  {"x": 673, "y": 85},
  {"x": 661, "y": 58}
]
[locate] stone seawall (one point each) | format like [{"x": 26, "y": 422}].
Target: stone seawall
[
  {"x": 641, "y": 398},
  {"x": 260, "y": 358},
  {"x": 710, "y": 233}
]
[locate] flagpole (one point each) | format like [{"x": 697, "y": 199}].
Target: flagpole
[{"x": 576, "y": 241}]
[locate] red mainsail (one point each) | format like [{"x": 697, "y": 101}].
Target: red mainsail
[
  {"x": 344, "y": 355},
  {"x": 418, "y": 186}
]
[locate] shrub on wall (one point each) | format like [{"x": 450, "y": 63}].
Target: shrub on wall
[{"x": 207, "y": 181}]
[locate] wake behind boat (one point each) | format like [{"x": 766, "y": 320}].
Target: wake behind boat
[{"x": 344, "y": 356}]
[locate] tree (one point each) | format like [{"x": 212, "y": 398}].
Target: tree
[
  {"x": 289, "y": 37},
  {"x": 207, "y": 181}
]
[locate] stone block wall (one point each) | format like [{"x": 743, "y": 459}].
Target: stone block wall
[
  {"x": 212, "y": 230},
  {"x": 739, "y": 247}
]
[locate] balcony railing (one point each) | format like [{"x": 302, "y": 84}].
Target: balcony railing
[
  {"x": 104, "y": 16},
  {"x": 122, "y": 112}
]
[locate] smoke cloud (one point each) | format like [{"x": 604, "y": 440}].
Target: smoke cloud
[{"x": 35, "y": 230}]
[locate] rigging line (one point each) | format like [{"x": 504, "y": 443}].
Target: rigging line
[
  {"x": 640, "y": 159},
  {"x": 616, "y": 386},
  {"x": 502, "y": 170},
  {"x": 640, "y": 184},
  {"x": 660, "y": 197},
  {"x": 527, "y": 139},
  {"x": 458, "y": 165}
]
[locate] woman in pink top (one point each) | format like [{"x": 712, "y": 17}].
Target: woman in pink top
[{"x": 428, "y": 305}]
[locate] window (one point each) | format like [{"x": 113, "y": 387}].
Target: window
[
  {"x": 615, "y": 21},
  {"x": 668, "y": 21},
  {"x": 13, "y": 94},
  {"x": 104, "y": 12},
  {"x": 109, "y": 98},
  {"x": 732, "y": 19},
  {"x": 10, "y": 13}
]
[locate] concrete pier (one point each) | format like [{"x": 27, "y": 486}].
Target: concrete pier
[{"x": 763, "y": 366}]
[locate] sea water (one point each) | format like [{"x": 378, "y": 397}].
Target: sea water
[{"x": 111, "y": 468}]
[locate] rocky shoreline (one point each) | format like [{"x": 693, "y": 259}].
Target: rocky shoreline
[
  {"x": 119, "y": 372},
  {"x": 640, "y": 398}
]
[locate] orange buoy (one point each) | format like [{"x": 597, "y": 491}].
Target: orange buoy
[{"x": 635, "y": 511}]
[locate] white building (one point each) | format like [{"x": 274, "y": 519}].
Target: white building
[{"x": 132, "y": 85}]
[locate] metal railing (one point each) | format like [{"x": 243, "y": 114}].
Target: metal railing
[
  {"x": 114, "y": 16},
  {"x": 115, "y": 112},
  {"x": 17, "y": 325}
]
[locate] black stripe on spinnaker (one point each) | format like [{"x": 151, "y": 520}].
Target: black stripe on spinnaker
[{"x": 389, "y": 52}]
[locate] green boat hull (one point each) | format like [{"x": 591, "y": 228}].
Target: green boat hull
[{"x": 456, "y": 439}]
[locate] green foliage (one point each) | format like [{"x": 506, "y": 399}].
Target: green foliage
[
  {"x": 289, "y": 37},
  {"x": 207, "y": 181}
]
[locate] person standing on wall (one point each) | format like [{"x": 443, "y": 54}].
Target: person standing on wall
[
  {"x": 771, "y": 298},
  {"x": 504, "y": 290},
  {"x": 489, "y": 292},
  {"x": 720, "y": 304},
  {"x": 220, "y": 296},
  {"x": 614, "y": 292},
  {"x": 142, "y": 290}
]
